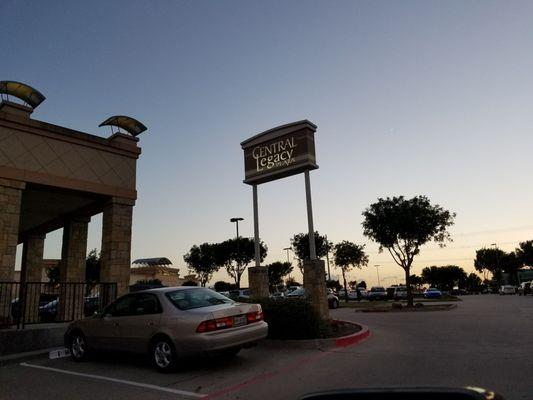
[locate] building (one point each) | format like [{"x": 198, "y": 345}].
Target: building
[
  {"x": 54, "y": 177},
  {"x": 149, "y": 269}
]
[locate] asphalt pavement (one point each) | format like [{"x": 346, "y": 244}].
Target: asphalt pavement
[{"x": 486, "y": 341}]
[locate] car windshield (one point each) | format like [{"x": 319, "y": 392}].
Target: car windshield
[
  {"x": 188, "y": 299},
  {"x": 297, "y": 292}
]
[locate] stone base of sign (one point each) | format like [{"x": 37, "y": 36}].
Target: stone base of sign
[
  {"x": 258, "y": 281},
  {"x": 315, "y": 286}
]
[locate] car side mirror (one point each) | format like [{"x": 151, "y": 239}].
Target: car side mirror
[{"x": 406, "y": 394}]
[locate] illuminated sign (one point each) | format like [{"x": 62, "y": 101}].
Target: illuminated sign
[{"x": 280, "y": 152}]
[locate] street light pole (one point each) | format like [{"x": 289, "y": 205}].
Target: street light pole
[
  {"x": 236, "y": 220},
  {"x": 287, "y": 249},
  {"x": 377, "y": 271}
]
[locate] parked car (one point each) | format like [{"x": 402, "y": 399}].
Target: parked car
[
  {"x": 277, "y": 296},
  {"x": 459, "y": 292},
  {"x": 377, "y": 293},
  {"x": 168, "y": 323},
  {"x": 239, "y": 293},
  {"x": 432, "y": 293},
  {"x": 524, "y": 288},
  {"x": 507, "y": 289},
  {"x": 400, "y": 293},
  {"x": 333, "y": 300}
]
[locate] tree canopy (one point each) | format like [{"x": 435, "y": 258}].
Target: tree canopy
[
  {"x": 524, "y": 252},
  {"x": 300, "y": 246},
  {"x": 349, "y": 255},
  {"x": 444, "y": 278},
  {"x": 92, "y": 266},
  {"x": 402, "y": 226},
  {"x": 276, "y": 272},
  {"x": 201, "y": 261},
  {"x": 497, "y": 261},
  {"x": 235, "y": 255},
  {"x": 221, "y": 286}
]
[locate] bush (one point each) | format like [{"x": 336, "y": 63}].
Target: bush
[{"x": 293, "y": 319}]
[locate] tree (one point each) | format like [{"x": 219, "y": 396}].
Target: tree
[
  {"x": 276, "y": 272},
  {"x": 53, "y": 274},
  {"x": 524, "y": 252},
  {"x": 490, "y": 261},
  {"x": 300, "y": 246},
  {"x": 416, "y": 281},
  {"x": 221, "y": 286},
  {"x": 292, "y": 282},
  {"x": 92, "y": 266},
  {"x": 352, "y": 284},
  {"x": 349, "y": 255},
  {"x": 510, "y": 264},
  {"x": 472, "y": 283},
  {"x": 362, "y": 284},
  {"x": 234, "y": 261},
  {"x": 201, "y": 261},
  {"x": 333, "y": 284},
  {"x": 402, "y": 226},
  {"x": 444, "y": 278}
]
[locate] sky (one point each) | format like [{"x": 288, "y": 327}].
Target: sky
[{"x": 410, "y": 98}]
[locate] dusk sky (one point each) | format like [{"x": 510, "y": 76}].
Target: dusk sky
[{"x": 411, "y": 97}]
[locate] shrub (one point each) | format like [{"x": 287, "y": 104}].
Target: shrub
[{"x": 293, "y": 319}]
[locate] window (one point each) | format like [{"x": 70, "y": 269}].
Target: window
[
  {"x": 135, "y": 304},
  {"x": 187, "y": 299}
]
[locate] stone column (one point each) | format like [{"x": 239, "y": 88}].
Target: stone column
[
  {"x": 258, "y": 282},
  {"x": 72, "y": 268},
  {"x": 115, "y": 257},
  {"x": 315, "y": 286},
  {"x": 31, "y": 271},
  {"x": 10, "y": 200}
]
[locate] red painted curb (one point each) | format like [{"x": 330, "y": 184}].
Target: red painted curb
[{"x": 353, "y": 338}]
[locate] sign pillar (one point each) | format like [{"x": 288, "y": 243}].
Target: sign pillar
[
  {"x": 312, "y": 248},
  {"x": 256, "y": 229}
]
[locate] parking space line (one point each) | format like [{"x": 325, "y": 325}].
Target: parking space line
[{"x": 122, "y": 381}]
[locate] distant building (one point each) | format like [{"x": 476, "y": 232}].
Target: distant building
[{"x": 147, "y": 269}]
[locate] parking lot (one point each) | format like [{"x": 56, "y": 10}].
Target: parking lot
[{"x": 485, "y": 342}]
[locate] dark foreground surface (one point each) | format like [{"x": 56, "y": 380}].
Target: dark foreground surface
[{"x": 487, "y": 341}]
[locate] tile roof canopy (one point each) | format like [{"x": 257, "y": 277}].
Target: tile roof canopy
[{"x": 152, "y": 261}]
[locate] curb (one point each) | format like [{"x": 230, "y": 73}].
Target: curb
[{"x": 320, "y": 344}]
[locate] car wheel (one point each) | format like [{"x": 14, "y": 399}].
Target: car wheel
[
  {"x": 163, "y": 355},
  {"x": 78, "y": 346}
]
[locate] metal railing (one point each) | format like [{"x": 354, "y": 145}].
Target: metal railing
[{"x": 43, "y": 302}]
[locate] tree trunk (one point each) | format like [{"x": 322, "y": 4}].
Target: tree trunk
[
  {"x": 345, "y": 287},
  {"x": 408, "y": 286}
]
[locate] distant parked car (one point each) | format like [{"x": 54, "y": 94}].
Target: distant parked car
[
  {"x": 362, "y": 293},
  {"x": 459, "y": 292},
  {"x": 524, "y": 288},
  {"x": 507, "y": 289},
  {"x": 377, "y": 293},
  {"x": 333, "y": 300},
  {"x": 432, "y": 293},
  {"x": 277, "y": 296},
  {"x": 400, "y": 293},
  {"x": 239, "y": 293},
  {"x": 169, "y": 323}
]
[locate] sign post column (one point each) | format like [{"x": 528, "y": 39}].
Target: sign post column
[
  {"x": 312, "y": 248},
  {"x": 256, "y": 229}
]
